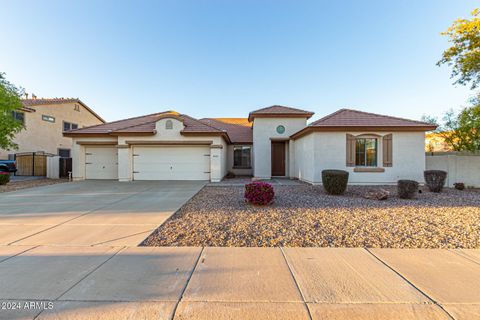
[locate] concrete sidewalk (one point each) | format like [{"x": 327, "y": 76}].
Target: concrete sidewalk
[{"x": 107, "y": 282}]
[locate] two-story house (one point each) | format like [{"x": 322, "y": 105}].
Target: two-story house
[{"x": 45, "y": 120}]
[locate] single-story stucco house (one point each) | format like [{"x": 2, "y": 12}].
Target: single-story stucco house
[{"x": 272, "y": 142}]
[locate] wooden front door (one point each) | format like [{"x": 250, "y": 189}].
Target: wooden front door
[{"x": 278, "y": 158}]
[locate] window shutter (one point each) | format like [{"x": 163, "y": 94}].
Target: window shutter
[
  {"x": 387, "y": 151},
  {"x": 350, "y": 150}
]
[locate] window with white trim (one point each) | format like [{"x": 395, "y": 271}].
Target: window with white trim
[
  {"x": 169, "y": 125},
  {"x": 48, "y": 118}
]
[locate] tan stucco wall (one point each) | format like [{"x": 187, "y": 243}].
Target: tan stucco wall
[
  {"x": 327, "y": 150},
  {"x": 40, "y": 135}
]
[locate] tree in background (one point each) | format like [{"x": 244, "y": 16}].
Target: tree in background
[
  {"x": 462, "y": 130},
  {"x": 464, "y": 54},
  {"x": 431, "y": 120},
  {"x": 10, "y": 101}
]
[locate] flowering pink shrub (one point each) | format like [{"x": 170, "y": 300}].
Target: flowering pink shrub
[
  {"x": 258, "y": 192},
  {"x": 4, "y": 178}
]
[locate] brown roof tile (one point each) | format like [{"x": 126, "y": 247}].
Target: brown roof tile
[
  {"x": 145, "y": 125},
  {"x": 355, "y": 118},
  {"x": 238, "y": 129},
  {"x": 239, "y": 121},
  {"x": 277, "y": 110},
  {"x": 40, "y": 101},
  {"x": 48, "y": 101},
  {"x": 120, "y": 125},
  {"x": 347, "y": 119}
]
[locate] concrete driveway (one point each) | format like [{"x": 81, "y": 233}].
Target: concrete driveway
[{"x": 90, "y": 213}]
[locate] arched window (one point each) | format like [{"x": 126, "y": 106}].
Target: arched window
[{"x": 169, "y": 125}]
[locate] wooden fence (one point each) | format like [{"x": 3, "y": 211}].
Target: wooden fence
[{"x": 31, "y": 164}]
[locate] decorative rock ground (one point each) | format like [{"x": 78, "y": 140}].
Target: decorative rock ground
[{"x": 306, "y": 216}]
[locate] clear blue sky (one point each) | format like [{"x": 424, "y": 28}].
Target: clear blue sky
[{"x": 226, "y": 58}]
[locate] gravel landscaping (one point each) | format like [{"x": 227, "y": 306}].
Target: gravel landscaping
[
  {"x": 306, "y": 216},
  {"x": 24, "y": 184}
]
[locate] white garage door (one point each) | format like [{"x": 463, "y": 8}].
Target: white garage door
[
  {"x": 171, "y": 163},
  {"x": 101, "y": 163}
]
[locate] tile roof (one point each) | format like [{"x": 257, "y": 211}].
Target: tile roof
[
  {"x": 49, "y": 101},
  {"x": 239, "y": 121},
  {"x": 238, "y": 129},
  {"x": 146, "y": 124},
  {"x": 41, "y": 101},
  {"x": 347, "y": 119},
  {"x": 355, "y": 118},
  {"x": 279, "y": 111}
]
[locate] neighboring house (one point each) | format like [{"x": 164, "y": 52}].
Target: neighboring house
[
  {"x": 435, "y": 142},
  {"x": 45, "y": 120},
  {"x": 273, "y": 142}
]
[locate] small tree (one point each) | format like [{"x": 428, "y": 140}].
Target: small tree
[
  {"x": 462, "y": 130},
  {"x": 9, "y": 101}
]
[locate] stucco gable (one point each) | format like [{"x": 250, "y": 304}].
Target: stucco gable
[{"x": 38, "y": 102}]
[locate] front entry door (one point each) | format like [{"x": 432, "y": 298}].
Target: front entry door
[{"x": 278, "y": 158}]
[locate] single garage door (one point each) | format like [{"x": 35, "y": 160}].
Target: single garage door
[
  {"x": 101, "y": 163},
  {"x": 171, "y": 163}
]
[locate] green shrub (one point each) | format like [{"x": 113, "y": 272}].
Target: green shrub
[
  {"x": 335, "y": 181},
  {"x": 435, "y": 179},
  {"x": 407, "y": 189},
  {"x": 4, "y": 178}
]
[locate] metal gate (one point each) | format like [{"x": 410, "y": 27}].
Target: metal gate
[
  {"x": 65, "y": 167},
  {"x": 31, "y": 163}
]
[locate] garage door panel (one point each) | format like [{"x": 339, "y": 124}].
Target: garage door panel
[
  {"x": 171, "y": 163},
  {"x": 101, "y": 163}
]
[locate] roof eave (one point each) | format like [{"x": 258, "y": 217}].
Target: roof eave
[
  {"x": 90, "y": 134},
  {"x": 203, "y": 133},
  {"x": 146, "y": 133},
  {"x": 106, "y": 134},
  {"x": 27, "y": 109}
]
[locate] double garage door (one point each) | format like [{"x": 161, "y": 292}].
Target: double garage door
[
  {"x": 151, "y": 163},
  {"x": 171, "y": 163}
]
